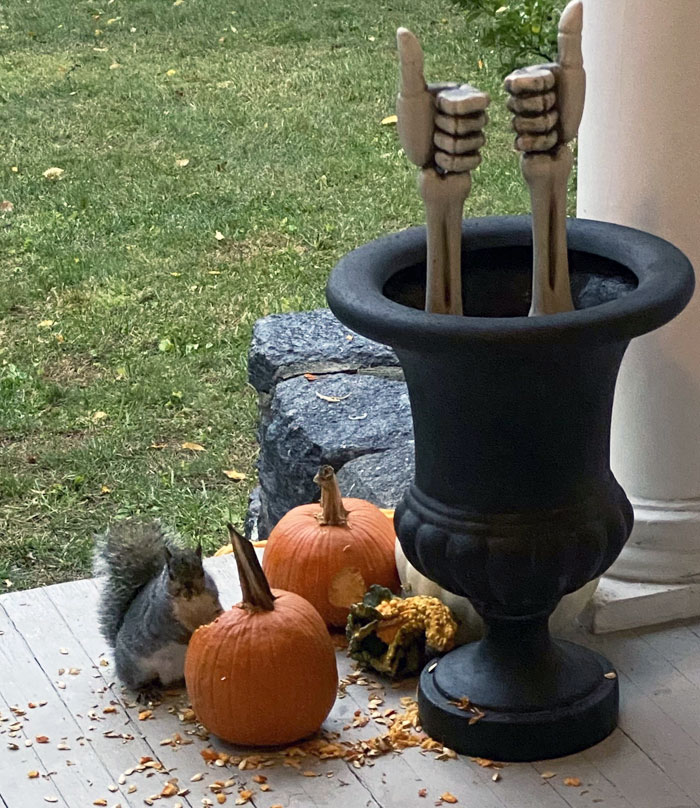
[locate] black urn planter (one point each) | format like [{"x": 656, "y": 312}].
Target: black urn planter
[{"x": 514, "y": 504}]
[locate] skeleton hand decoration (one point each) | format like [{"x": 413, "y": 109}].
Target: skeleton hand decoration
[
  {"x": 547, "y": 102},
  {"x": 440, "y": 128}
]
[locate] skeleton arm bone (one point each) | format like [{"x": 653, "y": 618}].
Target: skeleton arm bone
[
  {"x": 547, "y": 102},
  {"x": 440, "y": 130}
]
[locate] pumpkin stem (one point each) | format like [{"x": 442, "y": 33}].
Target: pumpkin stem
[
  {"x": 332, "y": 509},
  {"x": 257, "y": 594}
]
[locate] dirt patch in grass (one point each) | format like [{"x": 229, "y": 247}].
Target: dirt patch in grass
[
  {"x": 72, "y": 371},
  {"x": 30, "y": 448},
  {"x": 265, "y": 242}
]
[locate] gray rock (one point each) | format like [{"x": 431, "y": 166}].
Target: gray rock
[
  {"x": 287, "y": 345},
  {"x": 381, "y": 477},
  {"x": 301, "y": 430}
]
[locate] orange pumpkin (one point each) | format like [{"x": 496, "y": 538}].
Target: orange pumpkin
[
  {"x": 264, "y": 672},
  {"x": 331, "y": 553}
]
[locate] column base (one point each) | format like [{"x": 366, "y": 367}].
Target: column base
[
  {"x": 619, "y": 605},
  {"x": 664, "y": 546}
]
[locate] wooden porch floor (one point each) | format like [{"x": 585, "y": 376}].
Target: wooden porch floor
[{"x": 52, "y": 656}]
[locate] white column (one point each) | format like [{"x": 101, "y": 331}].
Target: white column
[{"x": 639, "y": 165}]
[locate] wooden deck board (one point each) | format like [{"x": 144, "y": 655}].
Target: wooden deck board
[
  {"x": 23, "y": 681},
  {"x": 653, "y": 717},
  {"x": 651, "y": 761}
]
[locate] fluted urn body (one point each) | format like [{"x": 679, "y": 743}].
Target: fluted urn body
[{"x": 514, "y": 504}]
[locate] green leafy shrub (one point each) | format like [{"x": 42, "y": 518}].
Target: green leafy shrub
[{"x": 516, "y": 33}]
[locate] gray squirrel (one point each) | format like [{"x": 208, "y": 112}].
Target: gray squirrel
[{"x": 155, "y": 594}]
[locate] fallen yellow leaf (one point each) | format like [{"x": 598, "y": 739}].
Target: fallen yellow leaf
[
  {"x": 170, "y": 72},
  {"x": 232, "y": 474},
  {"x": 219, "y": 236},
  {"x": 46, "y": 323},
  {"x": 98, "y": 416},
  {"x": 193, "y": 447},
  {"x": 182, "y": 162},
  {"x": 114, "y": 65},
  {"x": 390, "y": 119}
]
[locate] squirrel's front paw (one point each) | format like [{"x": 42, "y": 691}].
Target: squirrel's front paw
[{"x": 150, "y": 693}]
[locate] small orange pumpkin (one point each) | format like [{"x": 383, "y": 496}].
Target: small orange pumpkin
[
  {"x": 263, "y": 673},
  {"x": 331, "y": 553}
]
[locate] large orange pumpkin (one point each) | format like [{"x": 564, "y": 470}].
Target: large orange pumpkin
[
  {"x": 263, "y": 673},
  {"x": 331, "y": 553}
]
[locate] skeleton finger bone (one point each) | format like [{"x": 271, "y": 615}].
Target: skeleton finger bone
[
  {"x": 531, "y": 80},
  {"x": 436, "y": 87},
  {"x": 458, "y": 145},
  {"x": 537, "y": 143},
  {"x": 571, "y": 79},
  {"x": 410, "y": 63},
  {"x": 537, "y": 124},
  {"x": 461, "y": 125},
  {"x": 462, "y": 100},
  {"x": 457, "y": 163},
  {"x": 531, "y": 104},
  {"x": 414, "y": 104},
  {"x": 569, "y": 36}
]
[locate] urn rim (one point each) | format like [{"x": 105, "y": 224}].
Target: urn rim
[{"x": 664, "y": 275}]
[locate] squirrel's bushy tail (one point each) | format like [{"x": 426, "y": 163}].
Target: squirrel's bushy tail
[{"x": 129, "y": 554}]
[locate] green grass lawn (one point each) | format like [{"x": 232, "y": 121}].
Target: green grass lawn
[{"x": 130, "y": 285}]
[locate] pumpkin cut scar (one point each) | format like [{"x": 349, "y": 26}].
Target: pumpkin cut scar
[{"x": 347, "y": 587}]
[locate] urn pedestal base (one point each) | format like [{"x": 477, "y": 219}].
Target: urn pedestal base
[{"x": 560, "y": 703}]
